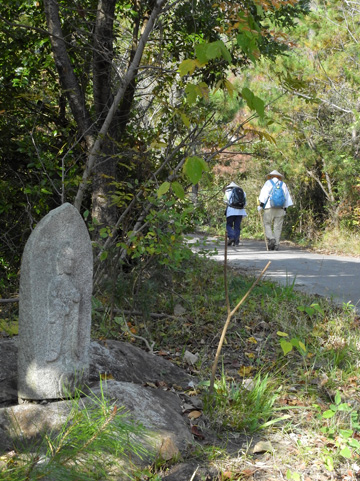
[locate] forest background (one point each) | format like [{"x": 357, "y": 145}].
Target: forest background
[{"x": 140, "y": 112}]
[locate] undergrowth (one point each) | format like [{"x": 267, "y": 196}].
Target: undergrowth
[
  {"x": 287, "y": 360},
  {"x": 290, "y": 363}
]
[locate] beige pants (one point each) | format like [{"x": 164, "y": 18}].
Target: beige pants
[{"x": 273, "y": 222}]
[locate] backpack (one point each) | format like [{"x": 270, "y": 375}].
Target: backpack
[
  {"x": 237, "y": 198},
  {"x": 277, "y": 195}
]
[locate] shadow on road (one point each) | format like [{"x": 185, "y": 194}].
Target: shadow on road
[{"x": 334, "y": 277}]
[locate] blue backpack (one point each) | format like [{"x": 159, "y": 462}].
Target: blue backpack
[{"x": 277, "y": 195}]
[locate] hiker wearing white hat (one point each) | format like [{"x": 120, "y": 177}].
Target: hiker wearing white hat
[
  {"x": 274, "y": 199},
  {"x": 235, "y": 199}
]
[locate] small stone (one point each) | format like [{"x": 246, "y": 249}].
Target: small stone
[
  {"x": 179, "y": 310},
  {"x": 263, "y": 447},
  {"x": 190, "y": 358},
  {"x": 168, "y": 450}
]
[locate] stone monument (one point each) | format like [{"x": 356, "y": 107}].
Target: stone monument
[{"x": 55, "y": 307}]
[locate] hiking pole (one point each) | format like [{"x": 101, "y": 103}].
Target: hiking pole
[{"x": 263, "y": 227}]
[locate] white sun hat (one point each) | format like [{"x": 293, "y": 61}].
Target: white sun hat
[
  {"x": 274, "y": 173},
  {"x": 231, "y": 185}
]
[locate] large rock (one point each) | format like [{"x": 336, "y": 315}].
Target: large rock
[
  {"x": 125, "y": 362},
  {"x": 55, "y": 307},
  {"x": 140, "y": 382}
]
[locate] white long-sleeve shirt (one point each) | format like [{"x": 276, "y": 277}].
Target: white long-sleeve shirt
[
  {"x": 265, "y": 193},
  {"x": 231, "y": 210}
]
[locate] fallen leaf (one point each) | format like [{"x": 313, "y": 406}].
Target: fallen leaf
[
  {"x": 177, "y": 388},
  {"x": 104, "y": 376},
  {"x": 252, "y": 340},
  {"x": 245, "y": 371},
  {"x": 161, "y": 384},
  {"x": 251, "y": 355},
  {"x": 227, "y": 475},
  {"x": 194, "y": 414},
  {"x": 249, "y": 471},
  {"x": 151, "y": 384},
  {"x": 262, "y": 447},
  {"x": 197, "y": 433}
]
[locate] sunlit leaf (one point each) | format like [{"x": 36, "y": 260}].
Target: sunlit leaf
[
  {"x": 164, "y": 187},
  {"x": 286, "y": 346},
  {"x": 346, "y": 452},
  {"x": 188, "y": 66},
  {"x": 328, "y": 414}
]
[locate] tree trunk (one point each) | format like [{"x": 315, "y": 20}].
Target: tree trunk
[{"x": 105, "y": 166}]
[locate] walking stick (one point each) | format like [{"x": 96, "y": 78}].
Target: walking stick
[{"x": 263, "y": 227}]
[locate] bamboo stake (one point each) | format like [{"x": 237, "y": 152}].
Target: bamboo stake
[{"x": 227, "y": 322}]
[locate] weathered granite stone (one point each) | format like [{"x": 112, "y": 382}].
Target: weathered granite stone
[{"x": 55, "y": 307}]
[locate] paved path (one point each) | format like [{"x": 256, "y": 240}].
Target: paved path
[{"x": 335, "y": 277}]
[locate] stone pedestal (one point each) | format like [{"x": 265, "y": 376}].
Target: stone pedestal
[{"x": 55, "y": 307}]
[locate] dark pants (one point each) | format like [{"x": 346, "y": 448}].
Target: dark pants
[{"x": 233, "y": 223}]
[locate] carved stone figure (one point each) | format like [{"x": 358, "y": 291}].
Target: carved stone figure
[
  {"x": 55, "y": 307},
  {"x": 63, "y": 305}
]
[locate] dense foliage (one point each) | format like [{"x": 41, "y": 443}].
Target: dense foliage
[{"x": 107, "y": 106}]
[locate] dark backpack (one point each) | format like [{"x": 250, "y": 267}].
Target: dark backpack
[
  {"x": 277, "y": 195},
  {"x": 237, "y": 198}
]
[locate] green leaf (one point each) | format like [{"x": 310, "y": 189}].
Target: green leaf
[
  {"x": 187, "y": 67},
  {"x": 354, "y": 443},
  {"x": 346, "y": 452},
  {"x": 318, "y": 308},
  {"x": 328, "y": 414},
  {"x": 282, "y": 334},
  {"x": 286, "y": 346},
  {"x": 194, "y": 167},
  {"x": 200, "y": 52},
  {"x": 103, "y": 255},
  {"x": 164, "y": 187},
  {"x": 253, "y": 102},
  {"x": 191, "y": 93},
  {"x": 213, "y": 50},
  {"x": 185, "y": 120},
  {"x": 337, "y": 398},
  {"x": 329, "y": 463},
  {"x": 346, "y": 433},
  {"x": 259, "y": 106},
  {"x": 178, "y": 190}
]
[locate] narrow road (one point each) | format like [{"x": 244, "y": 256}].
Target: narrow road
[{"x": 331, "y": 276}]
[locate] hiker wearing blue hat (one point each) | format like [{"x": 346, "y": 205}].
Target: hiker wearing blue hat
[
  {"x": 235, "y": 199},
  {"x": 274, "y": 199}
]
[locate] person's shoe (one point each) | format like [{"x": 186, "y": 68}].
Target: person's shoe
[
  {"x": 271, "y": 244},
  {"x": 231, "y": 242}
]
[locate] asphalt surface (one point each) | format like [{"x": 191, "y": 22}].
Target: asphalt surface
[{"x": 334, "y": 277}]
